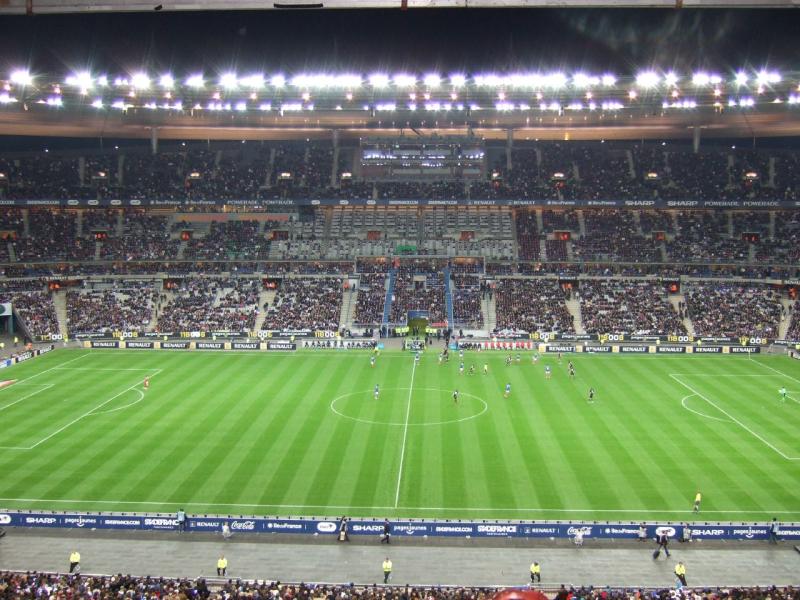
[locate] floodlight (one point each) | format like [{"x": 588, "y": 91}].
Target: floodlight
[
  {"x": 347, "y": 80},
  {"x": 241, "y": 106},
  {"x": 6, "y": 99},
  {"x": 54, "y": 101},
  {"x": 166, "y": 81},
  {"x": 195, "y": 81},
  {"x": 98, "y": 103},
  {"x": 764, "y": 77},
  {"x": 151, "y": 105},
  {"x": 582, "y": 80},
  {"x": 671, "y": 78},
  {"x": 488, "y": 80},
  {"x": 229, "y": 81},
  {"x": 432, "y": 80},
  {"x": 379, "y": 80},
  {"x": 555, "y": 80},
  {"x": 701, "y": 78},
  {"x": 21, "y": 77},
  {"x": 404, "y": 80},
  {"x": 178, "y": 105},
  {"x": 741, "y": 78},
  {"x": 458, "y": 79},
  {"x": 609, "y": 80},
  {"x": 647, "y": 79},
  {"x": 385, "y": 106},
  {"x": 265, "y": 106},
  {"x": 102, "y": 81},
  {"x": 120, "y": 104},
  {"x": 82, "y": 79},
  {"x": 140, "y": 81},
  {"x": 253, "y": 82},
  {"x": 504, "y": 106},
  {"x": 277, "y": 80}
]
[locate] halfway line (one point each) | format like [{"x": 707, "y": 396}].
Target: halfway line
[{"x": 405, "y": 435}]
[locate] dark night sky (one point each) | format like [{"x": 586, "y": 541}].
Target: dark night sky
[{"x": 620, "y": 40}]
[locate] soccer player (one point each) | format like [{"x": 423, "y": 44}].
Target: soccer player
[
  {"x": 461, "y": 369},
  {"x": 508, "y": 391},
  {"x": 441, "y": 358},
  {"x": 461, "y": 354},
  {"x": 485, "y": 368},
  {"x": 559, "y": 358},
  {"x": 377, "y": 391},
  {"x": 146, "y": 383},
  {"x": 571, "y": 370},
  {"x": 372, "y": 361},
  {"x": 547, "y": 372},
  {"x": 472, "y": 369},
  {"x": 518, "y": 358},
  {"x": 508, "y": 360},
  {"x": 455, "y": 396},
  {"x": 535, "y": 358},
  {"x": 697, "y": 498},
  {"x": 416, "y": 357},
  {"x": 782, "y": 392},
  {"x": 591, "y": 394}
]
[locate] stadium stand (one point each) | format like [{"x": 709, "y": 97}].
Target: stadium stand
[
  {"x": 532, "y": 305},
  {"x": 628, "y": 306},
  {"x": 734, "y": 309},
  {"x": 204, "y": 304},
  {"x": 306, "y": 303}
]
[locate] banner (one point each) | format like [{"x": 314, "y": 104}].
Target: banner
[
  {"x": 650, "y": 203},
  {"x": 311, "y": 526}
]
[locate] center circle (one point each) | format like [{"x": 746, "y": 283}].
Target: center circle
[{"x": 368, "y": 397}]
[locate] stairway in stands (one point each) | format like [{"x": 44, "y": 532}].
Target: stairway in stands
[
  {"x": 448, "y": 299},
  {"x": 265, "y": 297},
  {"x": 676, "y": 300},
  {"x": 348, "y": 308},
  {"x": 60, "y": 304},
  {"x": 574, "y": 308},
  {"x": 786, "y": 319},
  {"x": 489, "y": 311},
  {"x": 387, "y": 302}
]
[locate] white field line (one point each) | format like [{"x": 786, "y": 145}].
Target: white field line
[
  {"x": 405, "y": 435},
  {"x": 734, "y": 419},
  {"x": 683, "y": 404},
  {"x": 781, "y": 373},
  {"x": 409, "y": 508},
  {"x": 86, "y": 414},
  {"x": 44, "y": 386},
  {"x": 120, "y": 369},
  {"x": 106, "y": 412},
  {"x": 50, "y": 369}
]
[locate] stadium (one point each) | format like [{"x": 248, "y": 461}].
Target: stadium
[{"x": 294, "y": 304}]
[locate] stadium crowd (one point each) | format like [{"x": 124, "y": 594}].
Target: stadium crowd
[
  {"x": 734, "y": 310},
  {"x": 33, "y": 585},
  {"x": 306, "y": 303},
  {"x": 530, "y": 305},
  {"x": 627, "y": 306},
  {"x": 204, "y": 304}
]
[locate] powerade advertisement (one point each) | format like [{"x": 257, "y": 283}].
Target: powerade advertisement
[{"x": 788, "y": 531}]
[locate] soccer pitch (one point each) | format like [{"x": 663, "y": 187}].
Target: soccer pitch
[{"x": 301, "y": 434}]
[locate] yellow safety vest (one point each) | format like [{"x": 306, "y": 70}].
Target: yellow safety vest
[
  {"x": 222, "y": 563},
  {"x": 387, "y": 566},
  {"x": 75, "y": 557},
  {"x": 680, "y": 570},
  {"x": 536, "y": 568}
]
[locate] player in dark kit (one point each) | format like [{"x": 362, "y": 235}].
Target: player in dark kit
[
  {"x": 455, "y": 396},
  {"x": 591, "y": 394}
]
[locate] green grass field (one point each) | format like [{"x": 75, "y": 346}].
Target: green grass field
[{"x": 301, "y": 434}]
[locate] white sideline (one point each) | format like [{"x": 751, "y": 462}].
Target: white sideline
[
  {"x": 734, "y": 419},
  {"x": 781, "y": 373},
  {"x": 45, "y": 386},
  {"x": 50, "y": 369},
  {"x": 405, "y": 435},
  {"x": 409, "y": 508},
  {"x": 86, "y": 414}
]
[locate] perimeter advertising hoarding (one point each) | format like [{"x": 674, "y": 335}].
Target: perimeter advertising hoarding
[{"x": 311, "y": 526}]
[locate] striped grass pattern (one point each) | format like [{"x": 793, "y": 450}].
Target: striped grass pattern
[{"x": 302, "y": 434}]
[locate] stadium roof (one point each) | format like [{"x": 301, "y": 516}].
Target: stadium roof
[{"x": 84, "y": 6}]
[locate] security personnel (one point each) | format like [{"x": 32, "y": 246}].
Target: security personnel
[
  {"x": 387, "y": 570},
  {"x": 74, "y": 561},
  {"x": 222, "y": 565},
  {"x": 680, "y": 571},
  {"x": 536, "y": 572}
]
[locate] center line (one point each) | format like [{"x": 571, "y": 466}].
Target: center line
[{"x": 405, "y": 434}]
